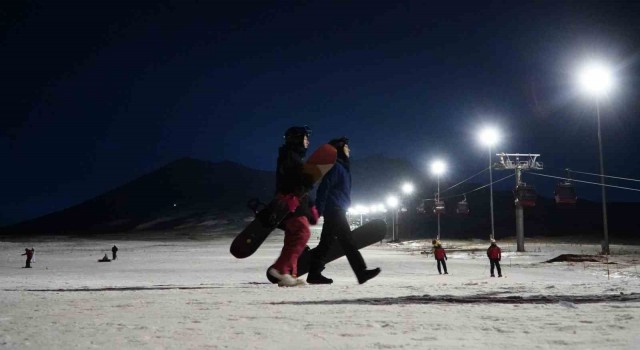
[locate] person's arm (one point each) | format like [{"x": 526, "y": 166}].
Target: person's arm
[{"x": 323, "y": 190}]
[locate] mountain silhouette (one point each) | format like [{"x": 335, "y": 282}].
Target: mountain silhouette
[
  {"x": 183, "y": 191},
  {"x": 192, "y": 194}
]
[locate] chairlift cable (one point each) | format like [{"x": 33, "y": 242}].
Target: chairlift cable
[
  {"x": 586, "y": 173},
  {"x": 587, "y": 182},
  {"x": 487, "y": 168},
  {"x": 476, "y": 189}
]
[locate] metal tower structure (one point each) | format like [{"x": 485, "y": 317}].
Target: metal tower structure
[{"x": 518, "y": 162}]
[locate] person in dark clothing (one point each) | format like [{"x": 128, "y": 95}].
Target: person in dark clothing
[
  {"x": 441, "y": 255},
  {"x": 29, "y": 253},
  {"x": 114, "y": 251},
  {"x": 333, "y": 198},
  {"x": 495, "y": 255},
  {"x": 292, "y": 186}
]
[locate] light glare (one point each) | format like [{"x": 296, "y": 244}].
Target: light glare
[
  {"x": 595, "y": 79},
  {"x": 438, "y": 167}
]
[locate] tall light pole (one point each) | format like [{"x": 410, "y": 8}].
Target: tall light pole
[
  {"x": 392, "y": 202},
  {"x": 407, "y": 189},
  {"x": 596, "y": 80},
  {"x": 489, "y": 137},
  {"x": 437, "y": 168}
]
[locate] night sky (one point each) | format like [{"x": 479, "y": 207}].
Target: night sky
[{"x": 96, "y": 94}]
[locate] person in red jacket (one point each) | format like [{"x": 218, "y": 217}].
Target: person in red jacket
[
  {"x": 29, "y": 253},
  {"x": 495, "y": 255},
  {"x": 291, "y": 186},
  {"x": 441, "y": 255}
]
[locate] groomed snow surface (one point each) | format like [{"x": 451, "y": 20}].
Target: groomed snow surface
[{"x": 192, "y": 294}]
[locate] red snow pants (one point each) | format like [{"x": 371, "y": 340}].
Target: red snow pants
[{"x": 296, "y": 236}]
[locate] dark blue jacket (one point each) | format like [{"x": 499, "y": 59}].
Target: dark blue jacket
[{"x": 334, "y": 191}]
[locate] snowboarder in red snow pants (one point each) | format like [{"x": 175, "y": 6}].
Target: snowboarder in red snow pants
[{"x": 292, "y": 186}]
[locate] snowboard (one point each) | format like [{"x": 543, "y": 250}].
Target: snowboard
[
  {"x": 372, "y": 232},
  {"x": 249, "y": 240}
]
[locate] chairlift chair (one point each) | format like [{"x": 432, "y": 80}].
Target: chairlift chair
[
  {"x": 565, "y": 193},
  {"x": 525, "y": 195},
  {"x": 463, "y": 207},
  {"x": 439, "y": 207}
]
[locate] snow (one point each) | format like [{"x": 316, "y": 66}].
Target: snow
[{"x": 192, "y": 294}]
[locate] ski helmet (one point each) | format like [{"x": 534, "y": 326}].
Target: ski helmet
[
  {"x": 339, "y": 142},
  {"x": 296, "y": 134}
]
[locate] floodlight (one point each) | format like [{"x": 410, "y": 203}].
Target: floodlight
[
  {"x": 438, "y": 167},
  {"x": 595, "y": 79},
  {"x": 407, "y": 188},
  {"x": 392, "y": 201},
  {"x": 489, "y": 136}
]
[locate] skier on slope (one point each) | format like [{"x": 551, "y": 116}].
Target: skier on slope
[
  {"x": 495, "y": 255},
  {"x": 440, "y": 255},
  {"x": 291, "y": 184}
]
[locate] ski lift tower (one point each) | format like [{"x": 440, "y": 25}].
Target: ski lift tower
[{"x": 518, "y": 162}]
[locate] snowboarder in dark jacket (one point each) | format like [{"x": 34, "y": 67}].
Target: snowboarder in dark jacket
[
  {"x": 291, "y": 188},
  {"x": 441, "y": 255},
  {"x": 495, "y": 255},
  {"x": 333, "y": 198},
  {"x": 114, "y": 251},
  {"x": 29, "y": 253}
]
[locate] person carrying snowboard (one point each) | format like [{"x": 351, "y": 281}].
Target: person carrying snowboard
[
  {"x": 333, "y": 198},
  {"x": 29, "y": 253},
  {"x": 441, "y": 255},
  {"x": 291, "y": 188},
  {"x": 495, "y": 255}
]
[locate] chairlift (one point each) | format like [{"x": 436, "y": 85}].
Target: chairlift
[
  {"x": 565, "y": 193},
  {"x": 439, "y": 207},
  {"x": 463, "y": 207},
  {"x": 525, "y": 195}
]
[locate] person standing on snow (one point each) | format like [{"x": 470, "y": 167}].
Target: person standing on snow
[
  {"x": 29, "y": 253},
  {"x": 114, "y": 251},
  {"x": 441, "y": 255},
  {"x": 291, "y": 188},
  {"x": 495, "y": 255},
  {"x": 333, "y": 198}
]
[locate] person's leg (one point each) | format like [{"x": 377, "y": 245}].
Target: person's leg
[
  {"x": 345, "y": 238},
  {"x": 498, "y": 267},
  {"x": 297, "y": 235},
  {"x": 444, "y": 266},
  {"x": 319, "y": 253},
  {"x": 492, "y": 262},
  {"x": 28, "y": 262},
  {"x": 438, "y": 263}
]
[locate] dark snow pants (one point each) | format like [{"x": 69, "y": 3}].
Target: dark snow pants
[
  {"x": 444, "y": 265},
  {"x": 496, "y": 263},
  {"x": 336, "y": 227}
]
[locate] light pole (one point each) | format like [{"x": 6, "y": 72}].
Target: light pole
[
  {"x": 407, "y": 189},
  {"x": 392, "y": 202},
  {"x": 438, "y": 167},
  {"x": 596, "y": 80},
  {"x": 489, "y": 137}
]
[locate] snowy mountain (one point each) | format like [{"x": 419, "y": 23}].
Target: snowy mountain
[{"x": 193, "y": 195}]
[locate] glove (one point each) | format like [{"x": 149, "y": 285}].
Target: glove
[
  {"x": 313, "y": 218},
  {"x": 290, "y": 200}
]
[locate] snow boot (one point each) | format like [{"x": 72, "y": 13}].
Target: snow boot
[
  {"x": 365, "y": 275},
  {"x": 317, "y": 278},
  {"x": 289, "y": 281}
]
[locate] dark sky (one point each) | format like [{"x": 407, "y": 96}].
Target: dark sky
[{"x": 95, "y": 94}]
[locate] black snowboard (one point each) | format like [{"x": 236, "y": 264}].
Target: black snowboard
[
  {"x": 364, "y": 236},
  {"x": 249, "y": 240}
]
